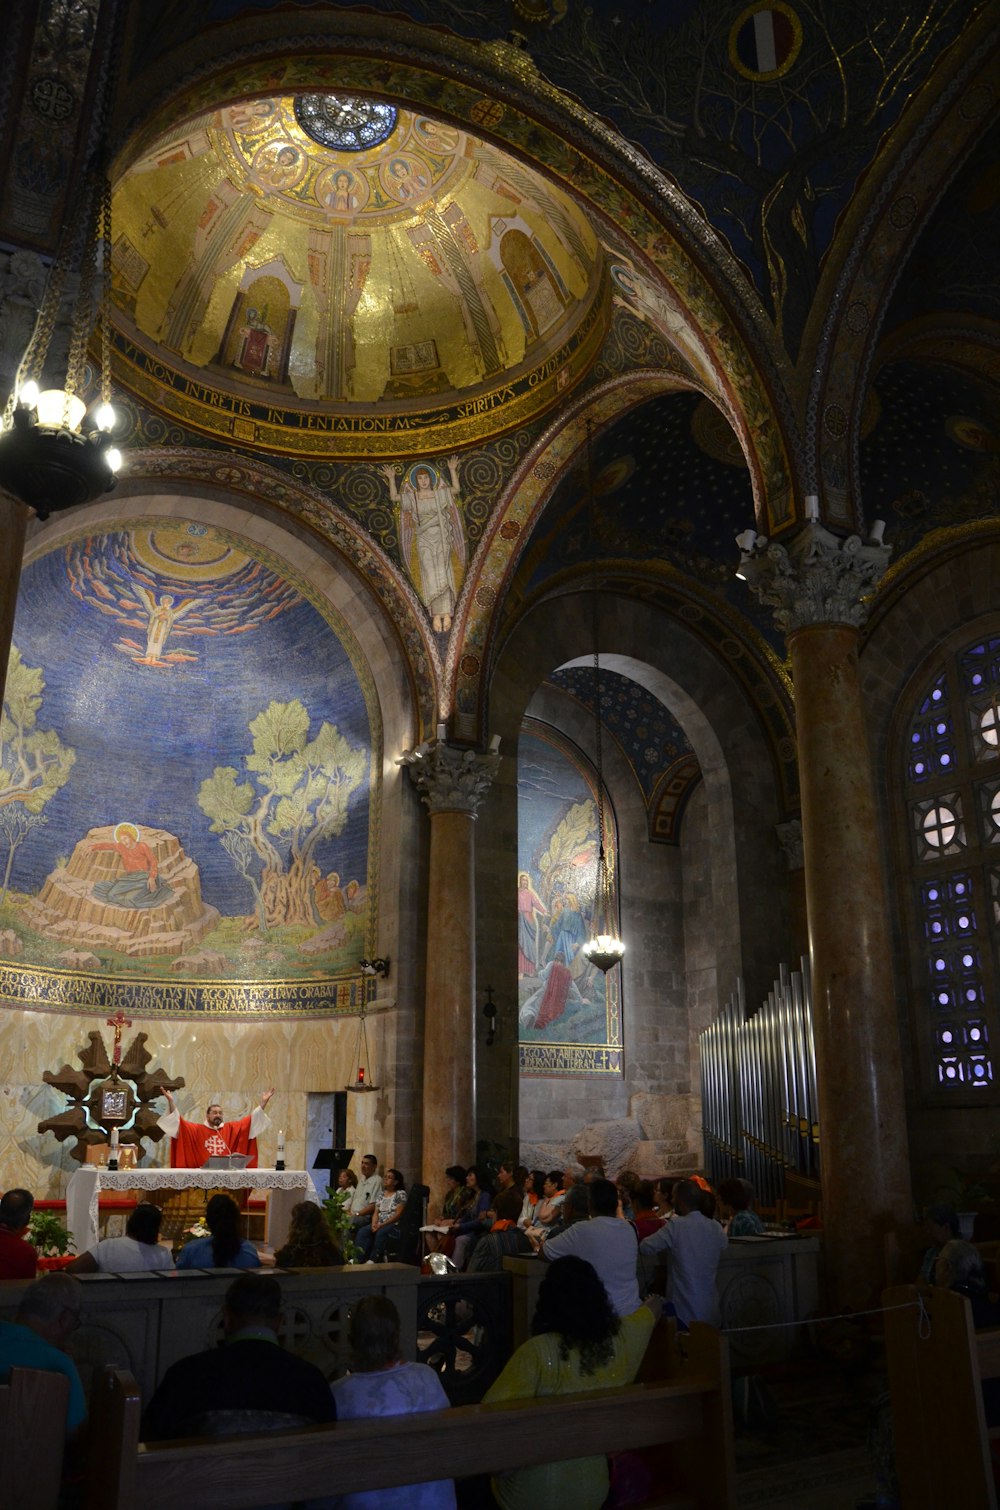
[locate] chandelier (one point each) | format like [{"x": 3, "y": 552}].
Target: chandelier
[
  {"x": 56, "y": 453},
  {"x": 604, "y": 949}
]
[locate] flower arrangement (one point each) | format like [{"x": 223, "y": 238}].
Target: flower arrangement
[{"x": 198, "y": 1228}]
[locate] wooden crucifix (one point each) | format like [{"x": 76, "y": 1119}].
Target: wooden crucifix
[{"x": 118, "y": 1022}]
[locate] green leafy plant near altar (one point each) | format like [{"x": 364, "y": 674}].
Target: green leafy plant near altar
[
  {"x": 338, "y": 1219},
  {"x": 49, "y": 1236}
]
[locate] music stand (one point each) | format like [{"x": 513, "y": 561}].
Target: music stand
[{"x": 334, "y": 1158}]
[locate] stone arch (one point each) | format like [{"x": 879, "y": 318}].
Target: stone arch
[
  {"x": 741, "y": 932},
  {"x": 885, "y": 221},
  {"x": 473, "y": 645},
  {"x": 395, "y": 1035}
]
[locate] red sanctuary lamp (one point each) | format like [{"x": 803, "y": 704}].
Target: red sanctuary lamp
[{"x": 362, "y": 1055}]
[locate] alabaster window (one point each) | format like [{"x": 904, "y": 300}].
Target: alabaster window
[{"x": 950, "y": 850}]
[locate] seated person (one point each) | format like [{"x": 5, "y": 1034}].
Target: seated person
[
  {"x": 47, "y": 1316},
  {"x": 457, "y": 1196},
  {"x": 251, "y": 1383},
  {"x": 225, "y": 1248},
  {"x": 373, "y": 1240},
  {"x": 547, "y": 1215},
  {"x": 368, "y": 1190},
  {"x": 577, "y": 1343},
  {"x": 347, "y": 1184},
  {"x": 490, "y": 1251},
  {"x": 573, "y": 1207},
  {"x": 139, "y": 1249},
  {"x": 18, "y": 1259},
  {"x": 736, "y": 1199},
  {"x": 644, "y": 1216},
  {"x": 474, "y": 1219},
  {"x": 942, "y": 1226},
  {"x": 381, "y": 1383},
  {"x": 310, "y": 1243}
]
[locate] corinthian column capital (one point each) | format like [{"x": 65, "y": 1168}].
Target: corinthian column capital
[
  {"x": 817, "y": 579},
  {"x": 450, "y": 779}
]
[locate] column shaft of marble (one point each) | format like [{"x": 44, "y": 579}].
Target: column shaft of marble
[
  {"x": 863, "y": 1147},
  {"x": 449, "y": 1110},
  {"x": 13, "y": 523}
]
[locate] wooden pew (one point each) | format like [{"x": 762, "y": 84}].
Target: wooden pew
[
  {"x": 936, "y": 1367},
  {"x": 32, "y": 1437},
  {"x": 693, "y": 1408}
]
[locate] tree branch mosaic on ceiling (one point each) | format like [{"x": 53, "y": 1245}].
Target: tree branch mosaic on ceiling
[{"x": 188, "y": 780}]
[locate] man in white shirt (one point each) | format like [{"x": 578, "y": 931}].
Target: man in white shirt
[
  {"x": 608, "y": 1243},
  {"x": 367, "y": 1194},
  {"x": 694, "y": 1245}
]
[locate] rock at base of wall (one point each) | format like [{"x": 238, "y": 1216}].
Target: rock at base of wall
[
  {"x": 11, "y": 946},
  {"x": 612, "y": 1142}
]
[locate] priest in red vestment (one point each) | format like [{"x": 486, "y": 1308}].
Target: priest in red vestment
[{"x": 192, "y": 1144}]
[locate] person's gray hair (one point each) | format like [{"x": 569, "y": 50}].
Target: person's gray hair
[
  {"x": 49, "y": 1296},
  {"x": 964, "y": 1261}
]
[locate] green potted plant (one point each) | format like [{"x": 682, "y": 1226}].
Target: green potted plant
[
  {"x": 339, "y": 1222},
  {"x": 50, "y": 1238}
]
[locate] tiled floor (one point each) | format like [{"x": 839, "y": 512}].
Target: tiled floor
[{"x": 813, "y": 1454}]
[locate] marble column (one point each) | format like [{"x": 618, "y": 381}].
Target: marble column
[
  {"x": 817, "y": 587},
  {"x": 790, "y": 839},
  {"x": 13, "y": 523},
  {"x": 452, "y": 783}
]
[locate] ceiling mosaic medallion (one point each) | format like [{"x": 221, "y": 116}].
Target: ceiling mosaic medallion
[{"x": 327, "y": 275}]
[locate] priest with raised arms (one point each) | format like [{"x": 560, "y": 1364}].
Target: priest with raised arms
[{"x": 192, "y": 1144}]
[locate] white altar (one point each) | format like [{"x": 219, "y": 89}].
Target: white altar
[{"x": 286, "y": 1188}]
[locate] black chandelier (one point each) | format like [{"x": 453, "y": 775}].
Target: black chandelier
[
  {"x": 56, "y": 453},
  {"x": 604, "y": 948}
]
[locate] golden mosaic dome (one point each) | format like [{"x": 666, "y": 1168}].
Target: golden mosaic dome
[{"x": 407, "y": 287}]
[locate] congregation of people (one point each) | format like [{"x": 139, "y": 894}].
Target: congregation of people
[{"x": 618, "y": 1254}]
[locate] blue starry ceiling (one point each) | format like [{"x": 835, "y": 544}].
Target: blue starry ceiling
[
  {"x": 648, "y": 735},
  {"x": 932, "y": 456},
  {"x": 670, "y": 482}
]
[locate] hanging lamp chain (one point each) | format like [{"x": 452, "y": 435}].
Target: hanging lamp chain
[{"x": 603, "y": 921}]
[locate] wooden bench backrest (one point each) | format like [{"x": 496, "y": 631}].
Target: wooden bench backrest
[
  {"x": 936, "y": 1364},
  {"x": 472, "y": 1439},
  {"x": 32, "y": 1436}
]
